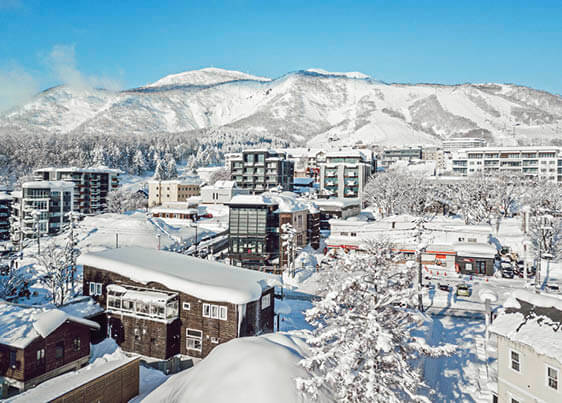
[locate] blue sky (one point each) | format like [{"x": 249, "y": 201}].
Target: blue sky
[{"x": 130, "y": 43}]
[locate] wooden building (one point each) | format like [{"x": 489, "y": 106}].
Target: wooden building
[
  {"x": 38, "y": 345},
  {"x": 162, "y": 303}
]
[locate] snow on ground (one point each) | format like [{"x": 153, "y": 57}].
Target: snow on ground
[
  {"x": 454, "y": 378},
  {"x": 250, "y": 369}
]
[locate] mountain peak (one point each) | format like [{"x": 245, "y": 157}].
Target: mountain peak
[
  {"x": 349, "y": 74},
  {"x": 205, "y": 76}
]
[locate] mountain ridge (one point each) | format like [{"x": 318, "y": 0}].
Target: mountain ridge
[{"x": 312, "y": 107}]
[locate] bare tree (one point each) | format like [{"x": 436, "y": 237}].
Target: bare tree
[{"x": 57, "y": 264}]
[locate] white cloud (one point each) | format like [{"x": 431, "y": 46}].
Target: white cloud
[
  {"x": 61, "y": 60},
  {"x": 16, "y": 87}
]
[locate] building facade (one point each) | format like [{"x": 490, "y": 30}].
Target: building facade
[
  {"x": 5, "y": 208},
  {"x": 454, "y": 144},
  {"x": 345, "y": 174},
  {"x": 36, "y": 346},
  {"x": 41, "y": 207},
  {"x": 261, "y": 170},
  {"x": 221, "y": 192},
  {"x": 544, "y": 163},
  {"x": 163, "y": 303},
  {"x": 391, "y": 155},
  {"x": 529, "y": 348},
  {"x": 91, "y": 185},
  {"x": 160, "y": 192}
]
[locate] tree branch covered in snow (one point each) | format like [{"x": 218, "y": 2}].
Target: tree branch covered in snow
[
  {"x": 58, "y": 264},
  {"x": 362, "y": 348},
  {"x": 120, "y": 201}
]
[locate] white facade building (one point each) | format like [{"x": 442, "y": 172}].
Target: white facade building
[
  {"x": 461, "y": 143},
  {"x": 529, "y": 348},
  {"x": 179, "y": 190},
  {"x": 221, "y": 192},
  {"x": 42, "y": 203},
  {"x": 544, "y": 163}
]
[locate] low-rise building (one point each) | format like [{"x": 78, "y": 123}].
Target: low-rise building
[
  {"x": 177, "y": 190},
  {"x": 162, "y": 303},
  {"x": 529, "y": 348},
  {"x": 91, "y": 185},
  {"x": 262, "y": 170},
  {"x": 390, "y": 155},
  {"x": 221, "y": 192},
  {"x": 37, "y": 345},
  {"x": 5, "y": 207},
  {"x": 336, "y": 208},
  {"x": 41, "y": 207}
]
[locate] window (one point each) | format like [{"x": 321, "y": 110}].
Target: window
[
  {"x": 515, "y": 361},
  {"x": 95, "y": 288},
  {"x": 41, "y": 356},
  {"x": 265, "y": 301},
  {"x": 76, "y": 344},
  {"x": 194, "y": 339},
  {"x": 214, "y": 311},
  {"x": 13, "y": 359},
  {"x": 353, "y": 233},
  {"x": 214, "y": 340},
  {"x": 552, "y": 377},
  {"x": 59, "y": 350},
  {"x": 186, "y": 306}
]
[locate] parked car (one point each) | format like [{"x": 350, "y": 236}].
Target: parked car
[
  {"x": 444, "y": 287},
  {"x": 506, "y": 266},
  {"x": 463, "y": 290},
  {"x": 507, "y": 273}
]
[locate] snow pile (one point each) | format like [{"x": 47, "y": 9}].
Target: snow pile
[
  {"x": 251, "y": 369},
  {"x": 351, "y": 74},
  {"x": 200, "y": 278}
]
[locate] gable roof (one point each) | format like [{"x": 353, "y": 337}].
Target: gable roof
[
  {"x": 20, "y": 326},
  {"x": 201, "y": 278}
]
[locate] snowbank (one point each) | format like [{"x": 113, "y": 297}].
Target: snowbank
[{"x": 250, "y": 370}]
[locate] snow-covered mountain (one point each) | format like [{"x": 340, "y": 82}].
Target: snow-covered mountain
[{"x": 310, "y": 106}]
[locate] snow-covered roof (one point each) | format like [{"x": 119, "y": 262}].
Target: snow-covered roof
[
  {"x": 532, "y": 319},
  {"x": 337, "y": 202},
  {"x": 192, "y": 180},
  {"x": 223, "y": 185},
  {"x": 171, "y": 210},
  {"x": 252, "y": 199},
  {"x": 99, "y": 170},
  {"x": 62, "y": 384},
  {"x": 205, "y": 279},
  {"x": 19, "y": 326},
  {"x": 48, "y": 185},
  {"x": 483, "y": 250},
  {"x": 5, "y": 196}
]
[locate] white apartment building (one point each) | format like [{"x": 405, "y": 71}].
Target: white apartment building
[
  {"x": 345, "y": 173},
  {"x": 178, "y": 190},
  {"x": 542, "y": 162},
  {"x": 221, "y": 192},
  {"x": 91, "y": 185},
  {"x": 43, "y": 203},
  {"x": 461, "y": 143},
  {"x": 529, "y": 348}
]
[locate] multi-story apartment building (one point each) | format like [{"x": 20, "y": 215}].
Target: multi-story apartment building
[
  {"x": 178, "y": 190},
  {"x": 260, "y": 170},
  {"x": 256, "y": 226},
  {"x": 461, "y": 143},
  {"x": 5, "y": 205},
  {"x": 42, "y": 203},
  {"x": 529, "y": 349},
  {"x": 543, "y": 162},
  {"x": 391, "y": 155},
  {"x": 91, "y": 185},
  {"x": 345, "y": 173}
]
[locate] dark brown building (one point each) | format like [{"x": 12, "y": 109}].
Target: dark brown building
[
  {"x": 38, "y": 345},
  {"x": 162, "y": 303}
]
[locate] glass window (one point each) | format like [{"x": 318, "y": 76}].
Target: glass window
[
  {"x": 552, "y": 375},
  {"x": 266, "y": 301},
  {"x": 515, "y": 361},
  {"x": 194, "y": 339},
  {"x": 76, "y": 344},
  {"x": 223, "y": 313},
  {"x": 206, "y": 310},
  {"x": 59, "y": 350}
]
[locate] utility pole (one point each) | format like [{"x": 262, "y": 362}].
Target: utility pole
[
  {"x": 116, "y": 240},
  {"x": 420, "y": 297},
  {"x": 158, "y": 236}
]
